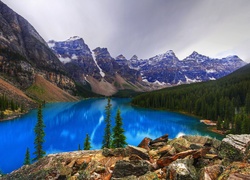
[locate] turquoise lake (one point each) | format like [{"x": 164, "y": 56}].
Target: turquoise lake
[{"x": 68, "y": 123}]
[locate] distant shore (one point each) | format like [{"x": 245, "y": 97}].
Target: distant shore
[{"x": 212, "y": 127}]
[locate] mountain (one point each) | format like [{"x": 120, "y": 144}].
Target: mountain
[
  {"x": 73, "y": 67},
  {"x": 24, "y": 55},
  {"x": 168, "y": 69},
  {"x": 107, "y": 75},
  {"x": 97, "y": 68},
  {"x": 223, "y": 100}
]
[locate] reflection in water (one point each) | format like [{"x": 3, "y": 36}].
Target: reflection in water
[
  {"x": 68, "y": 123},
  {"x": 94, "y": 130}
]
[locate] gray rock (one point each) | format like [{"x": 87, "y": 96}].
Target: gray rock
[
  {"x": 128, "y": 168},
  {"x": 143, "y": 153},
  {"x": 163, "y": 138},
  {"x": 211, "y": 172},
  {"x": 240, "y": 142},
  {"x": 235, "y": 147},
  {"x": 116, "y": 152},
  {"x": 181, "y": 169}
]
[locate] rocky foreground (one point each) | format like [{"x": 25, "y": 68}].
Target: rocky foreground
[{"x": 186, "y": 157}]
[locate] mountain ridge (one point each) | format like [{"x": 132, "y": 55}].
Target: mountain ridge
[{"x": 159, "y": 71}]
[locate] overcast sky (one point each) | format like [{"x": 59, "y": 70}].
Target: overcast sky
[{"x": 216, "y": 28}]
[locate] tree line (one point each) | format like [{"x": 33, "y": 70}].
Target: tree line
[
  {"x": 226, "y": 101},
  {"x": 6, "y": 103}
]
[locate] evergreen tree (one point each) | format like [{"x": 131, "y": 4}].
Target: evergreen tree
[
  {"x": 27, "y": 157},
  {"x": 107, "y": 132},
  {"x": 219, "y": 122},
  {"x": 119, "y": 139},
  {"x": 1, "y": 114},
  {"x": 86, "y": 144},
  {"x": 247, "y": 103},
  {"x": 39, "y": 133},
  {"x": 79, "y": 147}
]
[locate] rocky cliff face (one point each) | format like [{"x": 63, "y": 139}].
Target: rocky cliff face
[
  {"x": 76, "y": 57},
  {"x": 186, "y": 157},
  {"x": 168, "y": 69},
  {"x": 23, "y": 53},
  {"x": 105, "y": 75},
  {"x": 156, "y": 72}
]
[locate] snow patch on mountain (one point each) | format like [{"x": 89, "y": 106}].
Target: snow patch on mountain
[
  {"x": 74, "y": 38},
  {"x": 100, "y": 69},
  {"x": 188, "y": 80},
  {"x": 64, "y": 59},
  {"x": 212, "y": 78},
  {"x": 210, "y": 71},
  {"x": 74, "y": 56},
  {"x": 51, "y": 44},
  {"x": 159, "y": 83}
]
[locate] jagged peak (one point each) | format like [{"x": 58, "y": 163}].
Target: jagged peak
[
  {"x": 74, "y": 38},
  {"x": 170, "y": 52},
  {"x": 120, "y": 57},
  {"x": 100, "y": 50},
  {"x": 232, "y": 56},
  {"x": 195, "y": 53},
  {"x": 197, "y": 56},
  {"x": 69, "y": 40},
  {"x": 134, "y": 57}
]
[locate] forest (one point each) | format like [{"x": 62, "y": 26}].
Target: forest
[
  {"x": 7, "y": 104},
  {"x": 226, "y": 101}
]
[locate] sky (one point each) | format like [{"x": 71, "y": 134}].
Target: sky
[{"x": 215, "y": 28}]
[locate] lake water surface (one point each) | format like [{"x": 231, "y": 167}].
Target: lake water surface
[{"x": 68, "y": 123}]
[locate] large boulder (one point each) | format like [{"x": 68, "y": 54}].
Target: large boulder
[
  {"x": 181, "y": 169},
  {"x": 125, "y": 168},
  {"x": 167, "y": 150},
  {"x": 163, "y": 139},
  {"x": 236, "y": 171},
  {"x": 211, "y": 172},
  {"x": 203, "y": 141},
  {"x": 142, "y": 153},
  {"x": 145, "y": 143},
  {"x": 165, "y": 161},
  {"x": 180, "y": 144},
  {"x": 235, "y": 147},
  {"x": 116, "y": 152}
]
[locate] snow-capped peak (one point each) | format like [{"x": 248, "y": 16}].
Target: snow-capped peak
[
  {"x": 170, "y": 53},
  {"x": 51, "y": 43},
  {"x": 74, "y": 38},
  {"x": 120, "y": 57},
  {"x": 134, "y": 57}
]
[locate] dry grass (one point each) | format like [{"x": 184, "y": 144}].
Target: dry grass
[
  {"x": 44, "y": 90},
  {"x": 16, "y": 94}
]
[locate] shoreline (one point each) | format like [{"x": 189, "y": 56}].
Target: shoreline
[
  {"x": 11, "y": 117},
  {"x": 212, "y": 126}
]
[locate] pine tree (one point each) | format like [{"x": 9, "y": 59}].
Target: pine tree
[
  {"x": 218, "y": 124},
  {"x": 86, "y": 144},
  {"x": 119, "y": 139},
  {"x": 107, "y": 132},
  {"x": 39, "y": 132},
  {"x": 27, "y": 157},
  {"x": 79, "y": 147},
  {"x": 1, "y": 114},
  {"x": 247, "y": 103}
]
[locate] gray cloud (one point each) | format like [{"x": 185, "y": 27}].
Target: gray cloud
[{"x": 145, "y": 27}]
